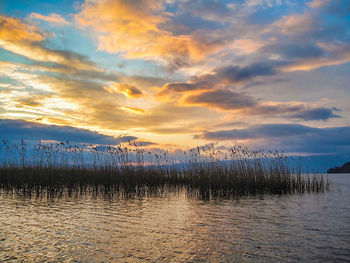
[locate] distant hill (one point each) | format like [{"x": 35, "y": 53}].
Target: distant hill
[{"x": 336, "y": 170}]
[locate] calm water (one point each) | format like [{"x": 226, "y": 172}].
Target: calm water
[{"x": 313, "y": 228}]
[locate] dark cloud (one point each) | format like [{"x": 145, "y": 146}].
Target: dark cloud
[
  {"x": 277, "y": 109},
  {"x": 297, "y": 111},
  {"x": 15, "y": 130},
  {"x": 229, "y": 100},
  {"x": 179, "y": 87},
  {"x": 317, "y": 114},
  {"x": 222, "y": 99},
  {"x": 223, "y": 76},
  {"x": 296, "y": 50},
  {"x": 235, "y": 74},
  {"x": 135, "y": 92},
  {"x": 258, "y": 132},
  {"x": 289, "y": 137},
  {"x": 127, "y": 89}
]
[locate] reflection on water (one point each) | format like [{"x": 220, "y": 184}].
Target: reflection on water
[{"x": 310, "y": 227}]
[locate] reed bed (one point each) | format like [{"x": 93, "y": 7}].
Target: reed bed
[{"x": 60, "y": 168}]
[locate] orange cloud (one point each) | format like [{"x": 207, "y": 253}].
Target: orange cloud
[
  {"x": 52, "y": 18},
  {"x": 133, "y": 29},
  {"x": 13, "y": 30},
  {"x": 124, "y": 88},
  {"x": 133, "y": 110},
  {"x": 27, "y": 40}
]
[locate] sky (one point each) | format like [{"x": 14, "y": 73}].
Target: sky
[{"x": 178, "y": 73}]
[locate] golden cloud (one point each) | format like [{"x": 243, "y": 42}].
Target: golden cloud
[
  {"x": 27, "y": 40},
  {"x": 85, "y": 103},
  {"x": 13, "y": 30},
  {"x": 133, "y": 29},
  {"x": 133, "y": 110},
  {"x": 128, "y": 90}
]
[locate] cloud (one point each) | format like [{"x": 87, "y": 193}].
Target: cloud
[
  {"x": 317, "y": 114},
  {"x": 247, "y": 45},
  {"x": 184, "y": 33},
  {"x": 234, "y": 74},
  {"x": 308, "y": 40},
  {"x": 15, "y": 130},
  {"x": 52, "y": 18},
  {"x": 210, "y": 10},
  {"x": 221, "y": 76},
  {"x": 214, "y": 90},
  {"x": 289, "y": 137},
  {"x": 226, "y": 100},
  {"x": 28, "y": 41},
  {"x": 293, "y": 25},
  {"x": 318, "y": 3},
  {"x": 228, "y": 54},
  {"x": 81, "y": 100},
  {"x": 259, "y": 132},
  {"x": 65, "y": 99},
  {"x": 125, "y": 88},
  {"x": 13, "y": 30},
  {"x": 31, "y": 101},
  {"x": 123, "y": 27},
  {"x": 133, "y": 110},
  {"x": 330, "y": 55},
  {"x": 337, "y": 7},
  {"x": 297, "y": 50},
  {"x": 295, "y": 111}
]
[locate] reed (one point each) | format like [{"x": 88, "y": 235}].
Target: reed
[{"x": 55, "y": 169}]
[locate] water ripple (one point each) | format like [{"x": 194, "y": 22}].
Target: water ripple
[{"x": 177, "y": 229}]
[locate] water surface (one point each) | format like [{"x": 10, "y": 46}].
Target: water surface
[{"x": 294, "y": 228}]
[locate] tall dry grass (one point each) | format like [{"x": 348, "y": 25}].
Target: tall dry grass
[{"x": 206, "y": 172}]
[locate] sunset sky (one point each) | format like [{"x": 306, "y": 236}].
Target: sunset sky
[{"x": 177, "y": 73}]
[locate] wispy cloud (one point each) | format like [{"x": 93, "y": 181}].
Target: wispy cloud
[
  {"x": 28, "y": 41},
  {"x": 52, "y": 18}
]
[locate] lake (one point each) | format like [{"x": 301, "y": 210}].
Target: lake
[{"x": 176, "y": 228}]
